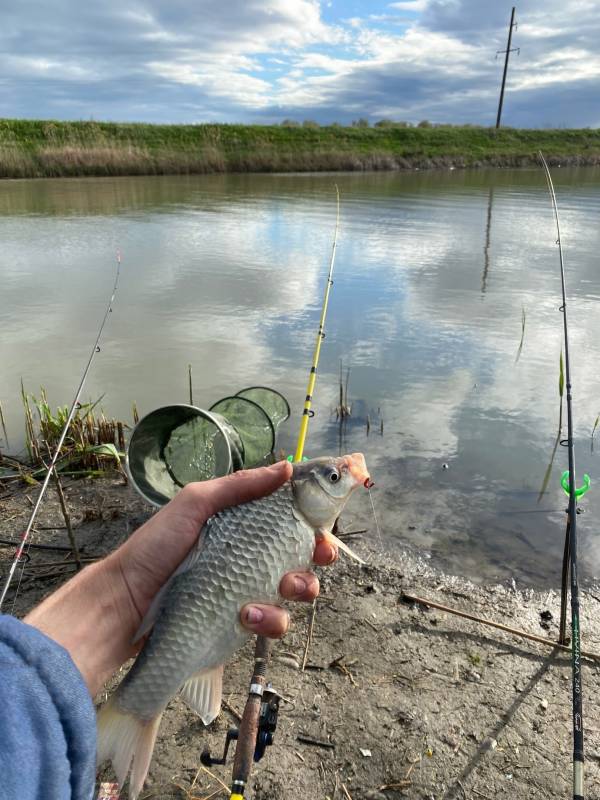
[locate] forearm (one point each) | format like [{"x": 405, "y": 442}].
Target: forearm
[
  {"x": 92, "y": 617},
  {"x": 47, "y": 723}
]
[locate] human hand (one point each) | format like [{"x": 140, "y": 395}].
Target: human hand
[{"x": 96, "y": 614}]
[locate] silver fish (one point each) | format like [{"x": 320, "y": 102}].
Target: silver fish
[{"x": 241, "y": 556}]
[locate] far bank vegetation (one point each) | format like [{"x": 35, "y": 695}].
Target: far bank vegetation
[{"x": 39, "y": 148}]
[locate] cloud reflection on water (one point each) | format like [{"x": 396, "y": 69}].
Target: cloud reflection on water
[{"x": 226, "y": 273}]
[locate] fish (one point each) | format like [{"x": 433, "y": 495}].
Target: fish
[{"x": 241, "y": 555}]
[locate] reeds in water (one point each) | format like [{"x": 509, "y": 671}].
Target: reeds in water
[
  {"x": 93, "y": 442},
  {"x": 523, "y": 320},
  {"x": 2, "y": 422},
  {"x": 561, "y": 390},
  {"x": 344, "y": 409}
]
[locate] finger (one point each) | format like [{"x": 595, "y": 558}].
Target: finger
[
  {"x": 325, "y": 553},
  {"x": 182, "y": 518},
  {"x": 264, "y": 620},
  {"x": 206, "y": 498},
  {"x": 302, "y": 586}
]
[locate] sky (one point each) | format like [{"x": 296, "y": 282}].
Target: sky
[{"x": 264, "y": 61}]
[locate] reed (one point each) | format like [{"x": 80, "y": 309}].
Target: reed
[
  {"x": 3, "y": 423},
  {"x": 523, "y": 318},
  {"x": 46, "y": 148},
  {"x": 343, "y": 409},
  {"x": 94, "y": 442}
]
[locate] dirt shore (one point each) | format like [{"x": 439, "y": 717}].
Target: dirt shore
[{"x": 398, "y": 700}]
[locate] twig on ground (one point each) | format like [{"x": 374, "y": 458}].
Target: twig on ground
[
  {"x": 346, "y": 792},
  {"x": 311, "y": 625},
  {"x": 591, "y": 594},
  {"x": 403, "y": 784},
  {"x": 338, "y": 664},
  {"x": 215, "y": 778},
  {"x": 232, "y": 710},
  {"x": 67, "y": 518},
  {"x": 371, "y": 625},
  {"x": 413, "y": 764},
  {"x": 349, "y": 534},
  {"x": 315, "y": 742},
  {"x": 481, "y": 794}
]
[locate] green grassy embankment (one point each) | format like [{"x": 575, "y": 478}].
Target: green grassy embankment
[{"x": 33, "y": 148}]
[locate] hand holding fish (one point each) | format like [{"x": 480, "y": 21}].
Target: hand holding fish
[
  {"x": 199, "y": 576},
  {"x": 98, "y": 634}
]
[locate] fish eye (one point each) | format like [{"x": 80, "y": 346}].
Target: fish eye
[{"x": 334, "y": 476}]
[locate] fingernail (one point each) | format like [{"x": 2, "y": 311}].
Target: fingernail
[
  {"x": 334, "y": 555},
  {"x": 254, "y": 615},
  {"x": 300, "y": 586},
  {"x": 280, "y": 466}
]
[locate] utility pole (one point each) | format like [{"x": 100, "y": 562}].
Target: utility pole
[{"x": 508, "y": 51}]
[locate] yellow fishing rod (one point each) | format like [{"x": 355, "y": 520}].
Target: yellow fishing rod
[
  {"x": 259, "y": 720},
  {"x": 307, "y": 412}
]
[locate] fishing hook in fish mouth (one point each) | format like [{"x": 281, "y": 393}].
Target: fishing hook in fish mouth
[{"x": 368, "y": 484}]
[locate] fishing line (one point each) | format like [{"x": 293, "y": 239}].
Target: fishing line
[
  {"x": 570, "y": 555},
  {"x": 375, "y": 518},
  {"x": 23, "y": 548}
]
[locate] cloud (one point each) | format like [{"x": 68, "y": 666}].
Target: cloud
[{"x": 263, "y": 60}]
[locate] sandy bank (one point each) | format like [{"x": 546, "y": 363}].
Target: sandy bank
[{"x": 415, "y": 703}]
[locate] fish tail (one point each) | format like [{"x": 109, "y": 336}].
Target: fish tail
[{"x": 123, "y": 738}]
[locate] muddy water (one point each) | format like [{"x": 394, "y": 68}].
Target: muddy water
[{"x": 434, "y": 275}]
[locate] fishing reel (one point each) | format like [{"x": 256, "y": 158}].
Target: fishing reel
[{"x": 267, "y": 725}]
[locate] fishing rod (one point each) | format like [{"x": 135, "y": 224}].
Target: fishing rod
[
  {"x": 75, "y": 405},
  {"x": 259, "y": 719},
  {"x": 307, "y": 411},
  {"x": 570, "y": 554}
]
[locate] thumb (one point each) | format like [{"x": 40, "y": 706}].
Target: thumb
[
  {"x": 204, "y": 499},
  {"x": 151, "y": 554}
]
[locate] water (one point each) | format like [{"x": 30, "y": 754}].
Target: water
[{"x": 433, "y": 271}]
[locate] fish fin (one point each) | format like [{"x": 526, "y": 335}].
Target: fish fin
[
  {"x": 333, "y": 539},
  {"x": 151, "y": 615},
  {"x": 124, "y": 738},
  {"x": 202, "y": 693}
]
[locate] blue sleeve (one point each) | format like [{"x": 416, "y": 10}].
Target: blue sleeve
[{"x": 47, "y": 719}]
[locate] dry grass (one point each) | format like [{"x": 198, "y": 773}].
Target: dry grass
[{"x": 40, "y": 148}]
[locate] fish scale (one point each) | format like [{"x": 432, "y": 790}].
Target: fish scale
[{"x": 244, "y": 553}]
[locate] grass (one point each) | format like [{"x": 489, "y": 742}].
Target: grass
[
  {"x": 93, "y": 441},
  {"x": 46, "y": 148}
]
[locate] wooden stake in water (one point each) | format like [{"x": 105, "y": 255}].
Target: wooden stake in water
[{"x": 67, "y": 518}]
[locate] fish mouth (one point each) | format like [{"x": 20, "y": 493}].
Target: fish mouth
[{"x": 358, "y": 468}]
